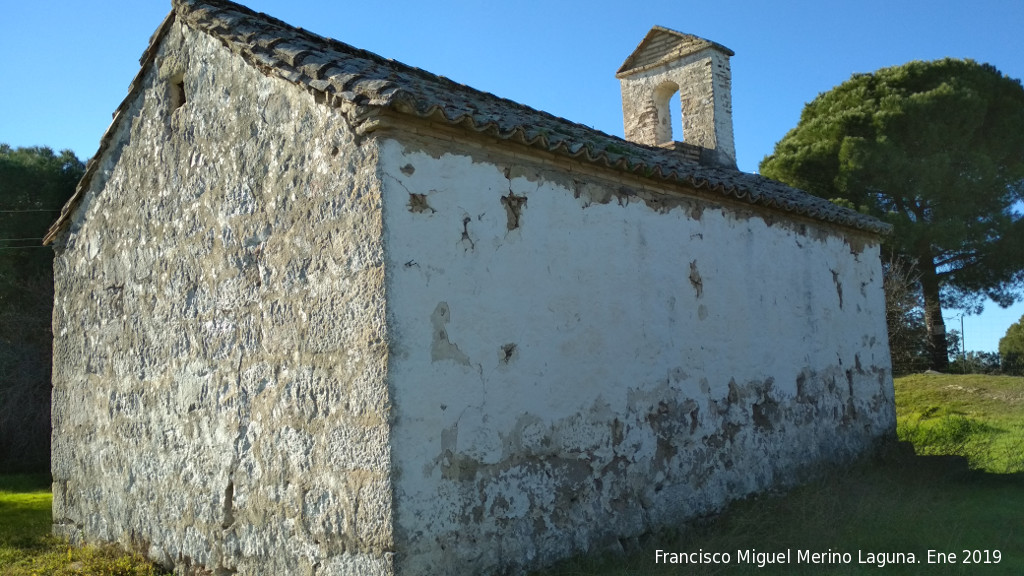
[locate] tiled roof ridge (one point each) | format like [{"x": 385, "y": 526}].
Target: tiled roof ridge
[
  {"x": 712, "y": 43},
  {"x": 360, "y": 81},
  {"x": 415, "y": 91},
  {"x": 631, "y": 66},
  {"x": 390, "y": 94}
]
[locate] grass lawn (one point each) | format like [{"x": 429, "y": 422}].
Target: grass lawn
[
  {"x": 901, "y": 503},
  {"x": 24, "y": 515},
  {"x": 27, "y": 549},
  {"x": 976, "y": 416}
]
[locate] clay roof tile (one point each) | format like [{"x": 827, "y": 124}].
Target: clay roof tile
[{"x": 366, "y": 79}]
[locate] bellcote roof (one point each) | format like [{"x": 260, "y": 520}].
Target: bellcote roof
[
  {"x": 362, "y": 84},
  {"x": 662, "y": 45}
]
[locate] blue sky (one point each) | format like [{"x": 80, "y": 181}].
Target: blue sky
[{"x": 66, "y": 65}]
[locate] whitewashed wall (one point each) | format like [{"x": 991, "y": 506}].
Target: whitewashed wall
[{"x": 606, "y": 367}]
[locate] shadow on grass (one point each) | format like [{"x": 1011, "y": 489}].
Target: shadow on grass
[
  {"x": 25, "y": 510},
  {"x": 24, "y": 482},
  {"x": 985, "y": 447},
  {"x": 898, "y": 503}
]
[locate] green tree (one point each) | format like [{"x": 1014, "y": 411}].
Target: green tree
[
  {"x": 936, "y": 149},
  {"x": 1011, "y": 349},
  {"x": 34, "y": 184}
]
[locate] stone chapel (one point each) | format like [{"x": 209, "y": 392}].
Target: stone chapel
[{"x": 318, "y": 312}]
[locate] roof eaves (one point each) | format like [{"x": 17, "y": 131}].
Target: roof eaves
[
  {"x": 360, "y": 81},
  {"x": 663, "y": 165}
]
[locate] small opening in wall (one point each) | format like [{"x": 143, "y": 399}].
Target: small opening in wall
[
  {"x": 664, "y": 96},
  {"x": 177, "y": 84},
  {"x": 513, "y": 209}
]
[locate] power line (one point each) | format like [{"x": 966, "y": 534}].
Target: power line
[
  {"x": 21, "y": 239},
  {"x": 26, "y": 211}
]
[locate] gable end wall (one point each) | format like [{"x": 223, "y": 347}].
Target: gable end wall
[{"x": 220, "y": 398}]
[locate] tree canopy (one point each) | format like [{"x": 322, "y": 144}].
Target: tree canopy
[
  {"x": 1011, "y": 349},
  {"x": 34, "y": 184},
  {"x": 936, "y": 149}
]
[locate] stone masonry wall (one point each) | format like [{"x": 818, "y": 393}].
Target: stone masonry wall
[
  {"x": 220, "y": 396},
  {"x": 578, "y": 358}
]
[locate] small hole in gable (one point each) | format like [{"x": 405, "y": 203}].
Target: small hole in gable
[{"x": 177, "y": 87}]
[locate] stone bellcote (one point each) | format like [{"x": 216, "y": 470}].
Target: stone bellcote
[{"x": 667, "y": 63}]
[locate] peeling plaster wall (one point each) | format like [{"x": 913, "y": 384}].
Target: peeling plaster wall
[
  {"x": 220, "y": 398},
  {"x": 603, "y": 360}
]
